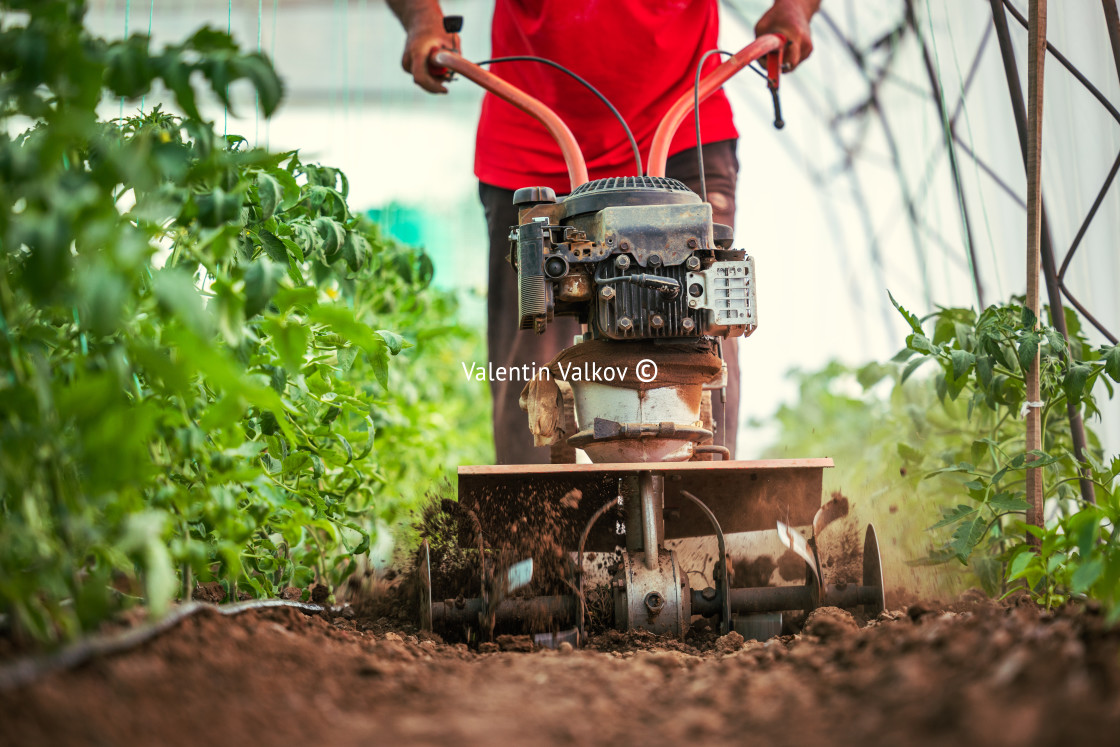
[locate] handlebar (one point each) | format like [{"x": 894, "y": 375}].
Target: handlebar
[
  {"x": 763, "y": 45},
  {"x": 659, "y": 151},
  {"x": 573, "y": 157}
]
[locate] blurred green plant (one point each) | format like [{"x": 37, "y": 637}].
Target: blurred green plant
[
  {"x": 946, "y": 451},
  {"x": 195, "y": 375},
  {"x": 982, "y": 361}
]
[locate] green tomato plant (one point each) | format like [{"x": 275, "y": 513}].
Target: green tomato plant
[
  {"x": 931, "y": 445},
  {"x": 982, "y": 360},
  {"x": 198, "y": 380}
]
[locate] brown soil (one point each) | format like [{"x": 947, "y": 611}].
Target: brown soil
[{"x": 980, "y": 673}]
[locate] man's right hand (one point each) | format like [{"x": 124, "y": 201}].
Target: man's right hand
[{"x": 423, "y": 20}]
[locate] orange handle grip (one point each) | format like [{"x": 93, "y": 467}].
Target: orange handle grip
[
  {"x": 763, "y": 45},
  {"x": 573, "y": 157}
]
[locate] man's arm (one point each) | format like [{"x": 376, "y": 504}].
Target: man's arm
[
  {"x": 790, "y": 18},
  {"x": 423, "y": 20}
]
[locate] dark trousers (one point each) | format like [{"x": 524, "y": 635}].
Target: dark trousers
[{"x": 509, "y": 346}]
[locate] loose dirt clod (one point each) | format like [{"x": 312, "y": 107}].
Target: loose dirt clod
[
  {"x": 828, "y": 623},
  {"x": 290, "y": 593},
  {"x": 515, "y": 643},
  {"x": 211, "y": 592},
  {"x": 730, "y": 643}
]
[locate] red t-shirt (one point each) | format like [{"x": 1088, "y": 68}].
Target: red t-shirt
[{"x": 641, "y": 54}]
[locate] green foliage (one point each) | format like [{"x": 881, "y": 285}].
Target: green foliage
[
  {"x": 938, "y": 460},
  {"x": 982, "y": 360},
  {"x": 878, "y": 430},
  {"x": 197, "y": 380}
]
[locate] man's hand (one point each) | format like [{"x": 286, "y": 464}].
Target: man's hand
[
  {"x": 790, "y": 18},
  {"x": 423, "y": 20}
]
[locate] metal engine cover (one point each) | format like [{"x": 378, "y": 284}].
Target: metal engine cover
[{"x": 634, "y": 258}]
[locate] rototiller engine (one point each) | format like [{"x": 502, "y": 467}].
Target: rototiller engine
[{"x": 657, "y": 285}]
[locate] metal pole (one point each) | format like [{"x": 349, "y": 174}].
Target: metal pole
[
  {"x": 1112, "y": 21},
  {"x": 1036, "y": 66},
  {"x": 1049, "y": 271},
  {"x": 651, "y": 492},
  {"x": 950, "y": 148}
]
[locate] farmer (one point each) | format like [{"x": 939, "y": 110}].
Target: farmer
[{"x": 642, "y": 55}]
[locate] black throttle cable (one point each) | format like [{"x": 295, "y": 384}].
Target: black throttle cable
[
  {"x": 696, "y": 112},
  {"x": 593, "y": 89}
]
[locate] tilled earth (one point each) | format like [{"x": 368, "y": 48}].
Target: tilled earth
[{"x": 975, "y": 672}]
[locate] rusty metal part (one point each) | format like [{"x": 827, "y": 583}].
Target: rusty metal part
[
  {"x": 575, "y": 288},
  {"x": 760, "y": 626},
  {"x": 853, "y": 595},
  {"x": 804, "y": 550},
  {"x": 832, "y": 511},
  {"x": 723, "y": 578},
  {"x": 700, "y": 452},
  {"x": 666, "y": 436},
  {"x": 517, "y": 613},
  {"x": 758, "y": 600},
  {"x": 745, "y": 496},
  {"x": 573, "y": 157},
  {"x": 609, "y": 430},
  {"x": 651, "y": 499},
  {"x": 721, "y": 310},
  {"x": 713, "y": 449},
  {"x": 580, "y": 623},
  {"x": 875, "y": 601},
  {"x": 560, "y": 451},
  {"x": 659, "y": 150},
  {"x": 782, "y": 598},
  {"x": 424, "y": 574},
  {"x": 652, "y": 596},
  {"x": 643, "y": 236},
  {"x": 671, "y": 233}
]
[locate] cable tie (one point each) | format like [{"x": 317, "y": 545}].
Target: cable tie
[{"x": 1027, "y": 406}]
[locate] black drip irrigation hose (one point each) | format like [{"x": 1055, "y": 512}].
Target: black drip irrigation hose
[
  {"x": 28, "y": 669},
  {"x": 589, "y": 87}
]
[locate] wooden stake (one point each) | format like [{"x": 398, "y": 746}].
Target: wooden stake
[{"x": 1036, "y": 63}]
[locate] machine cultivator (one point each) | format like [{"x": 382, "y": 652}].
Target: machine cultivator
[{"x": 657, "y": 285}]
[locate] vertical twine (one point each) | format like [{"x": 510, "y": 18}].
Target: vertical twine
[
  {"x": 229, "y": 30},
  {"x": 364, "y": 15},
  {"x": 345, "y": 59},
  {"x": 151, "y": 12},
  {"x": 272, "y": 56},
  {"x": 257, "y": 95},
  {"x": 127, "y": 13}
]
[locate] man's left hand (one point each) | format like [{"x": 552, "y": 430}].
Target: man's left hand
[{"x": 790, "y": 18}]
